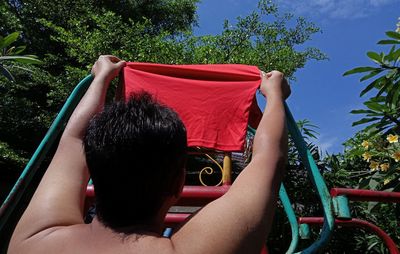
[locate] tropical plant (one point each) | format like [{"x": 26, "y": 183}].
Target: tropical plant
[
  {"x": 369, "y": 162},
  {"x": 383, "y": 109},
  {"x": 9, "y": 55},
  {"x": 382, "y": 156},
  {"x": 372, "y": 156}
]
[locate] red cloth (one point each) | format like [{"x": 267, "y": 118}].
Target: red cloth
[{"x": 213, "y": 101}]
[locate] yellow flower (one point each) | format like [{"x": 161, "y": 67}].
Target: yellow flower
[
  {"x": 367, "y": 156},
  {"x": 396, "y": 156},
  {"x": 365, "y": 144},
  {"x": 392, "y": 138},
  {"x": 374, "y": 165},
  {"x": 386, "y": 181},
  {"x": 384, "y": 166}
]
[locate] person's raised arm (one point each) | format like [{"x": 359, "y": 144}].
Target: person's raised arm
[
  {"x": 239, "y": 221},
  {"x": 59, "y": 198}
]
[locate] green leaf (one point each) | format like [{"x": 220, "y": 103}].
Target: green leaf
[
  {"x": 371, "y": 208},
  {"x": 395, "y": 99},
  {"x": 394, "y": 35},
  {"x": 21, "y": 59},
  {"x": 19, "y": 50},
  {"x": 384, "y": 88},
  {"x": 375, "y": 57},
  {"x": 392, "y": 73},
  {"x": 391, "y": 95},
  {"x": 361, "y": 111},
  {"x": 374, "y": 183},
  {"x": 378, "y": 99},
  {"x": 395, "y": 55},
  {"x": 365, "y": 120},
  {"x": 8, "y": 40},
  {"x": 382, "y": 42},
  {"x": 371, "y": 127},
  {"x": 359, "y": 70},
  {"x": 6, "y": 73},
  {"x": 22, "y": 68},
  {"x": 363, "y": 184},
  {"x": 371, "y": 74},
  {"x": 374, "y": 105},
  {"x": 369, "y": 87}
]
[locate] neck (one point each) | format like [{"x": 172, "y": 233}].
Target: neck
[{"x": 152, "y": 228}]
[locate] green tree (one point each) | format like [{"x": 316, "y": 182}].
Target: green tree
[
  {"x": 371, "y": 158},
  {"x": 383, "y": 109}
]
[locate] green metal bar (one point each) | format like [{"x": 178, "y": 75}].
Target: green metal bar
[
  {"x": 291, "y": 217},
  {"x": 305, "y": 232},
  {"x": 316, "y": 179},
  {"x": 341, "y": 206},
  {"x": 13, "y": 199}
]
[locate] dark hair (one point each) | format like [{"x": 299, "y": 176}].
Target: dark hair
[{"x": 136, "y": 153}]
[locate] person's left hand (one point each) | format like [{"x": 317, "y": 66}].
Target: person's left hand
[{"x": 107, "y": 67}]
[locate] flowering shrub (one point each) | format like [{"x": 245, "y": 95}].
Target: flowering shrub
[{"x": 382, "y": 153}]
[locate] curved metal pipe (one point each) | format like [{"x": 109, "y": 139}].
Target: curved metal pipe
[{"x": 391, "y": 245}]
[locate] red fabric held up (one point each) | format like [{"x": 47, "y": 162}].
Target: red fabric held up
[{"x": 213, "y": 101}]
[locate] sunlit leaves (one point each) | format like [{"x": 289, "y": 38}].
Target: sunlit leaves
[
  {"x": 386, "y": 87},
  {"x": 9, "y": 55}
]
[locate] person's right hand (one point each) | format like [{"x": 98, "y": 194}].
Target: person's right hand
[
  {"x": 107, "y": 67},
  {"x": 274, "y": 84}
]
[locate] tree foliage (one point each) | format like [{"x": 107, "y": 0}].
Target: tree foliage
[
  {"x": 383, "y": 109},
  {"x": 69, "y": 36},
  {"x": 371, "y": 159},
  {"x": 10, "y": 54}
]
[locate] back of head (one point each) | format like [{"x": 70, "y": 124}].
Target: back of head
[{"x": 136, "y": 153}]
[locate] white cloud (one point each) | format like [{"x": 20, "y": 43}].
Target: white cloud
[
  {"x": 336, "y": 9},
  {"x": 327, "y": 144}
]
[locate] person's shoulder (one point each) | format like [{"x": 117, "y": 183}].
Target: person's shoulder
[
  {"x": 56, "y": 239},
  {"x": 90, "y": 239},
  {"x": 83, "y": 238}
]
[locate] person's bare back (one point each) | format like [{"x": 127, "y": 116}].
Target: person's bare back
[{"x": 238, "y": 222}]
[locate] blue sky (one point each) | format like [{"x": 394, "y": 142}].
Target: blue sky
[{"x": 350, "y": 28}]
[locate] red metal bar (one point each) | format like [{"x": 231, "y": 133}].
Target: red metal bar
[
  {"x": 198, "y": 195},
  {"x": 264, "y": 250},
  {"x": 356, "y": 222},
  {"x": 201, "y": 195},
  {"x": 367, "y": 195},
  {"x": 90, "y": 191},
  {"x": 190, "y": 196},
  {"x": 172, "y": 219},
  {"x": 89, "y": 198}
]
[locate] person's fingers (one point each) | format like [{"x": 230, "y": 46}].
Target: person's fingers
[
  {"x": 112, "y": 58},
  {"x": 92, "y": 71},
  {"x": 121, "y": 64}
]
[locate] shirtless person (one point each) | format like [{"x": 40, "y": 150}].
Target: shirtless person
[{"x": 130, "y": 216}]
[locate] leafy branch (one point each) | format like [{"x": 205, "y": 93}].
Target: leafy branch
[
  {"x": 383, "y": 108},
  {"x": 13, "y": 54}
]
